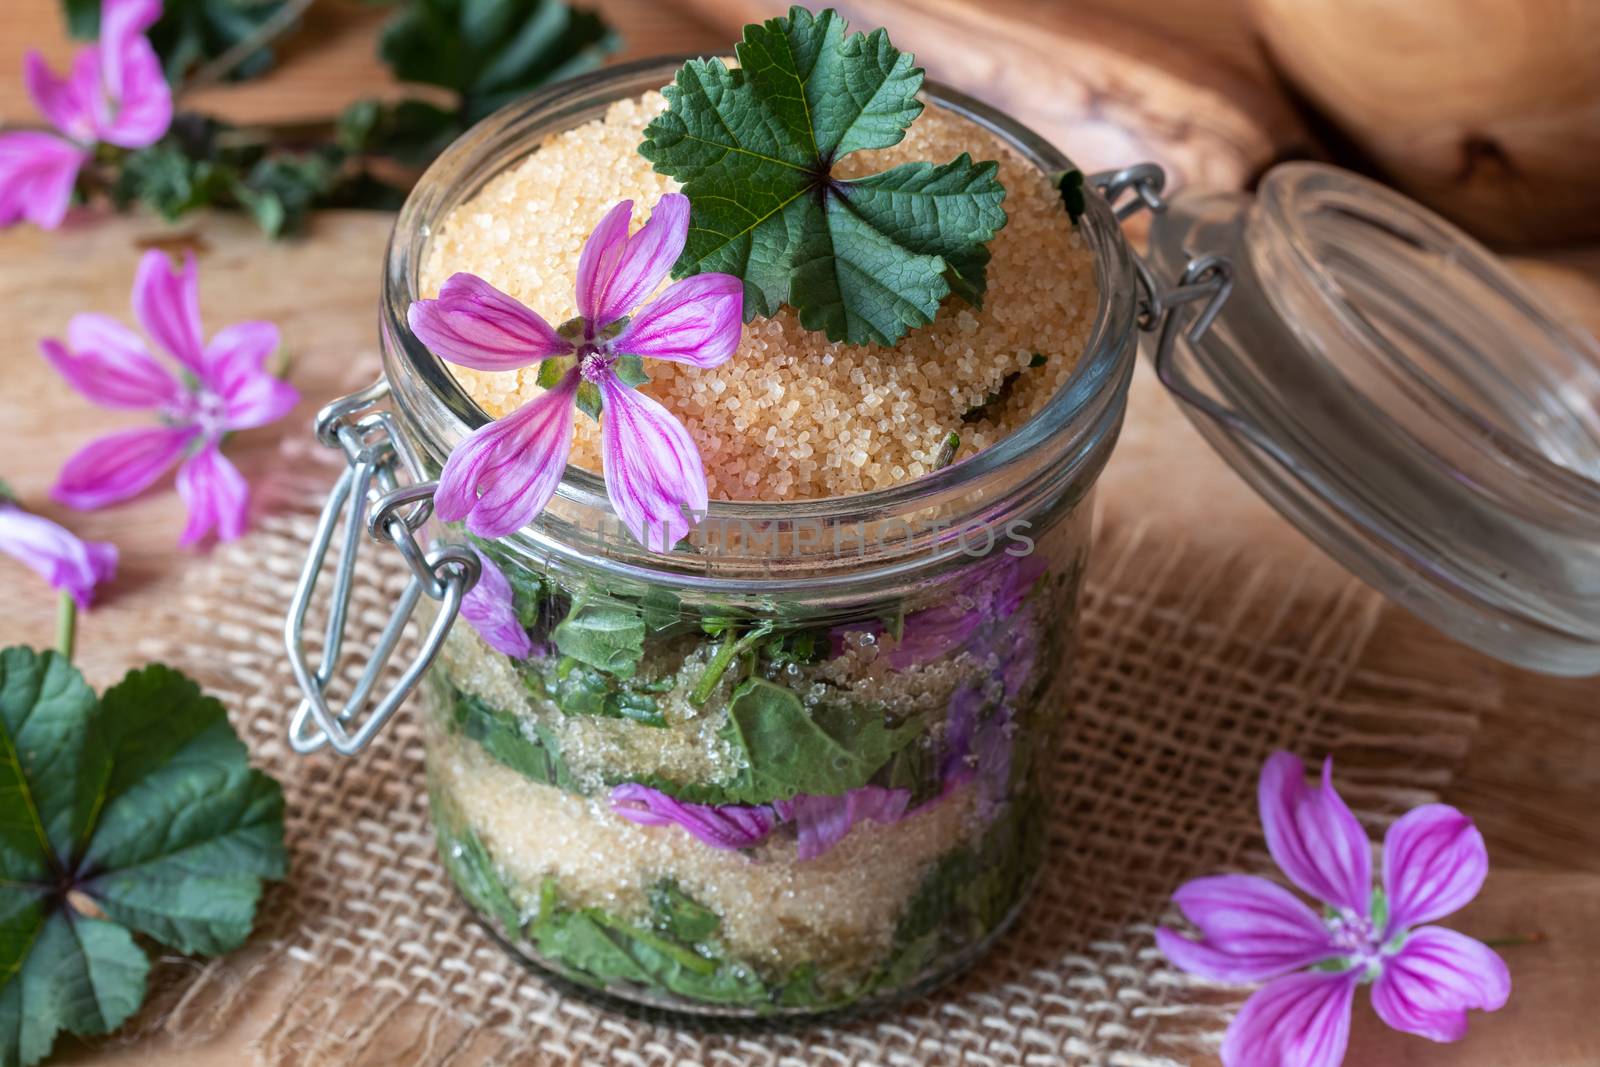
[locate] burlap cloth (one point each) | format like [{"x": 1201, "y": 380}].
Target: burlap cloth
[{"x": 1191, "y": 670}]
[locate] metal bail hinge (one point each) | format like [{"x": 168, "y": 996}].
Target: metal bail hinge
[
  {"x": 1207, "y": 281},
  {"x": 374, "y": 455}
]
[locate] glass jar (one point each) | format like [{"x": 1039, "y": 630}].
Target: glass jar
[
  {"x": 794, "y": 767},
  {"x": 787, "y": 769}
]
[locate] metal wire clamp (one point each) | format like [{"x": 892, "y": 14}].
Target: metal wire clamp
[
  {"x": 1207, "y": 281},
  {"x": 376, "y": 454}
]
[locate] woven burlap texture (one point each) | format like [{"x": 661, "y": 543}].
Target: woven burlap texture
[{"x": 1190, "y": 671}]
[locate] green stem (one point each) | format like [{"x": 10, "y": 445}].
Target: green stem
[
  {"x": 270, "y": 30},
  {"x": 66, "y": 625},
  {"x": 1515, "y": 940},
  {"x": 726, "y": 654}
]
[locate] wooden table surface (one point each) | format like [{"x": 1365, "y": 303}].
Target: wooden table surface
[{"x": 1531, "y": 779}]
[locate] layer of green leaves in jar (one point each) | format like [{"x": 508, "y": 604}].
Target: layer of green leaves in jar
[
  {"x": 674, "y": 950},
  {"x": 780, "y": 748},
  {"x": 740, "y": 710},
  {"x": 745, "y": 693}
]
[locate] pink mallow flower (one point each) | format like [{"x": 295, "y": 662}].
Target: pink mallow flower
[
  {"x": 115, "y": 94},
  {"x": 726, "y": 826},
  {"x": 502, "y": 476},
  {"x": 1424, "y": 978},
  {"x": 992, "y": 593},
  {"x": 490, "y": 608},
  {"x": 67, "y": 563},
  {"x": 821, "y": 822},
  {"x": 221, "y": 385}
]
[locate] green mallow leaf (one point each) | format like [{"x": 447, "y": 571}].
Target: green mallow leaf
[
  {"x": 675, "y": 949},
  {"x": 799, "y": 647},
  {"x": 787, "y": 748},
  {"x": 204, "y": 163},
  {"x": 493, "y": 51},
  {"x": 472, "y": 869},
  {"x": 522, "y": 745},
  {"x": 578, "y": 689},
  {"x": 967, "y": 894},
  {"x": 411, "y": 132},
  {"x": 81, "y": 975},
  {"x": 677, "y": 913},
  {"x": 608, "y": 636},
  {"x": 1073, "y": 192},
  {"x": 863, "y": 260},
  {"x": 596, "y": 948},
  {"x": 133, "y": 813}
]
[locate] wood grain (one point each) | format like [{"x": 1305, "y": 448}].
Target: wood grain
[
  {"x": 1108, "y": 89},
  {"x": 1487, "y": 111}
]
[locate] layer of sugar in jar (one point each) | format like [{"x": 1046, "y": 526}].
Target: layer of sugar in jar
[
  {"x": 790, "y": 415},
  {"x": 838, "y": 910}
]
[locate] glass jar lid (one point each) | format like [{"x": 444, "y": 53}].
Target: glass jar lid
[{"x": 1385, "y": 383}]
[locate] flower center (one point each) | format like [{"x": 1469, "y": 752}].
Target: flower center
[
  {"x": 594, "y": 362},
  {"x": 1356, "y": 936},
  {"x": 202, "y": 409}
]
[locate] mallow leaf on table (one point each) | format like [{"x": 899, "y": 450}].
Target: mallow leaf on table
[
  {"x": 493, "y": 51},
  {"x": 134, "y": 813},
  {"x": 860, "y": 259}
]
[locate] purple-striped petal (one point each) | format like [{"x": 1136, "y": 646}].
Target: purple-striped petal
[
  {"x": 697, "y": 321},
  {"x": 67, "y": 103},
  {"x": 726, "y": 826},
  {"x": 1434, "y": 863},
  {"x": 473, "y": 324},
  {"x": 502, "y": 476},
  {"x": 1250, "y": 930},
  {"x": 110, "y": 365},
  {"x": 653, "y": 472},
  {"x": 933, "y": 632},
  {"x": 216, "y": 494},
  {"x": 238, "y": 351},
  {"x": 258, "y": 400},
  {"x": 994, "y": 591},
  {"x": 67, "y": 563},
  {"x": 1428, "y": 987},
  {"x": 1014, "y": 578},
  {"x": 137, "y": 105},
  {"x": 491, "y": 610},
  {"x": 1299, "y": 1020},
  {"x": 121, "y": 23},
  {"x": 1313, "y": 835},
  {"x": 822, "y": 822},
  {"x": 234, "y": 359},
  {"x": 37, "y": 174},
  {"x": 167, "y": 305},
  {"x": 117, "y": 467},
  {"x": 616, "y": 272}
]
